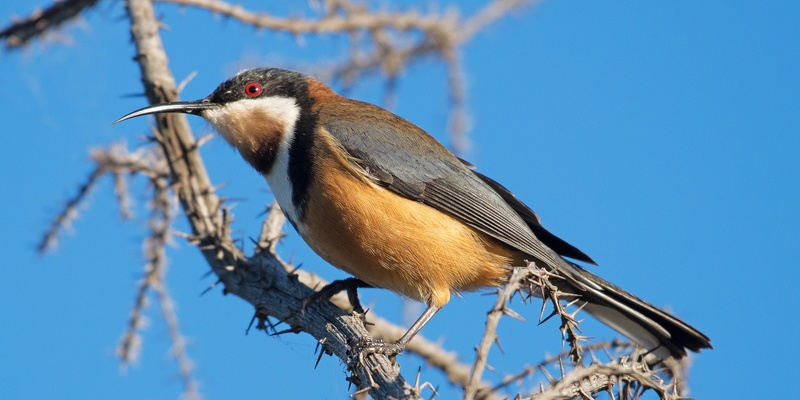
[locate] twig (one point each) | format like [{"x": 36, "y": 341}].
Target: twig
[
  {"x": 490, "y": 332},
  {"x": 259, "y": 280},
  {"x": 115, "y": 160},
  {"x": 539, "y": 281},
  {"x": 70, "y": 211},
  {"x": 559, "y": 359},
  {"x": 353, "y": 19},
  {"x": 438, "y": 35},
  {"x": 20, "y": 32},
  {"x": 596, "y": 378},
  {"x": 271, "y": 229}
]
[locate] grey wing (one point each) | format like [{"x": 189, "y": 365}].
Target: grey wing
[
  {"x": 419, "y": 168},
  {"x": 552, "y": 241}
]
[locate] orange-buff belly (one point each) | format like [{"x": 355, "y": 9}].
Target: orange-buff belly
[{"x": 395, "y": 243}]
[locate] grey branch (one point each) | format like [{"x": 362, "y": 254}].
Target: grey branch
[
  {"x": 259, "y": 280},
  {"x": 36, "y": 25},
  {"x": 272, "y": 286}
]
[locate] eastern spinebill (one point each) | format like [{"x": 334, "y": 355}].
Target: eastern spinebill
[{"x": 381, "y": 199}]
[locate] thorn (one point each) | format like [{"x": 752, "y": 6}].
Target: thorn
[
  {"x": 571, "y": 303},
  {"x": 490, "y": 368},
  {"x": 541, "y": 321},
  {"x": 513, "y": 314},
  {"x": 285, "y": 331},
  {"x": 594, "y": 358},
  {"x": 255, "y": 242},
  {"x": 541, "y": 312},
  {"x": 608, "y": 353},
  {"x": 361, "y": 391},
  {"x": 252, "y": 320},
  {"x": 547, "y": 374},
  {"x": 499, "y": 346},
  {"x": 433, "y": 389},
  {"x": 131, "y": 95},
  {"x": 203, "y": 140},
  {"x": 321, "y": 352},
  {"x": 186, "y": 81},
  {"x": 211, "y": 286}
]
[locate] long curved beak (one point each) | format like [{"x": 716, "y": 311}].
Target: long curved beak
[{"x": 187, "y": 107}]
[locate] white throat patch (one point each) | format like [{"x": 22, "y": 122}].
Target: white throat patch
[{"x": 286, "y": 111}]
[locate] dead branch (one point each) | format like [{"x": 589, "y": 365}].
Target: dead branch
[
  {"x": 630, "y": 377},
  {"x": 540, "y": 284},
  {"x": 68, "y": 214},
  {"x": 432, "y": 353},
  {"x": 116, "y": 161},
  {"x": 259, "y": 280},
  {"x": 421, "y": 35},
  {"x": 39, "y": 22},
  {"x": 490, "y": 332},
  {"x": 275, "y": 288}
]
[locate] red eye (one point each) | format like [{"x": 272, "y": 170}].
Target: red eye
[{"x": 252, "y": 89}]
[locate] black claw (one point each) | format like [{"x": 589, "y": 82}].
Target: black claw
[
  {"x": 366, "y": 346},
  {"x": 351, "y": 285}
]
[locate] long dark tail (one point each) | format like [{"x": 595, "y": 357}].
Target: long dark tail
[
  {"x": 640, "y": 321},
  {"x": 629, "y": 315}
]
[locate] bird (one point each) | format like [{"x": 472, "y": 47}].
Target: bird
[{"x": 381, "y": 199}]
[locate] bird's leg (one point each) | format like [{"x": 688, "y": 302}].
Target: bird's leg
[
  {"x": 351, "y": 285},
  {"x": 367, "y": 345}
]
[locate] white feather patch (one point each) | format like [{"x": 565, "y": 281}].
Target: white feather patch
[{"x": 286, "y": 111}]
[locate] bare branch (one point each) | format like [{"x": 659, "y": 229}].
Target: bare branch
[
  {"x": 559, "y": 360},
  {"x": 490, "y": 332},
  {"x": 22, "y": 31},
  {"x": 259, "y": 280},
  {"x": 540, "y": 284},
  {"x": 441, "y": 35},
  {"x": 351, "y": 19},
  {"x": 70, "y": 211},
  {"x": 130, "y": 345},
  {"x": 588, "y": 381},
  {"x": 117, "y": 161},
  {"x": 271, "y": 229},
  {"x": 492, "y": 12},
  {"x": 382, "y": 41}
]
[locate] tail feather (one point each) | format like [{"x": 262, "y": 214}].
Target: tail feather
[{"x": 640, "y": 321}]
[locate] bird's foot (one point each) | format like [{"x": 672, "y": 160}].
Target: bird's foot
[
  {"x": 351, "y": 285},
  {"x": 366, "y": 346}
]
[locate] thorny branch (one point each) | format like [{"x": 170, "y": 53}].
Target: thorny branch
[
  {"x": 40, "y": 22},
  {"x": 527, "y": 281},
  {"x": 630, "y": 377},
  {"x": 393, "y": 40},
  {"x": 455, "y": 371},
  {"x": 185, "y": 171},
  {"x": 117, "y": 162},
  {"x": 539, "y": 280},
  {"x": 490, "y": 333},
  {"x": 259, "y": 279},
  {"x": 630, "y": 369}
]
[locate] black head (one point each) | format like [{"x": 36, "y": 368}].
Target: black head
[
  {"x": 260, "y": 82},
  {"x": 249, "y": 84}
]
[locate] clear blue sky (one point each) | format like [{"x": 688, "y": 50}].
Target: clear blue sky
[{"x": 662, "y": 138}]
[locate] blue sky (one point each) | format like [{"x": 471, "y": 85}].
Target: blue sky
[{"x": 659, "y": 137}]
